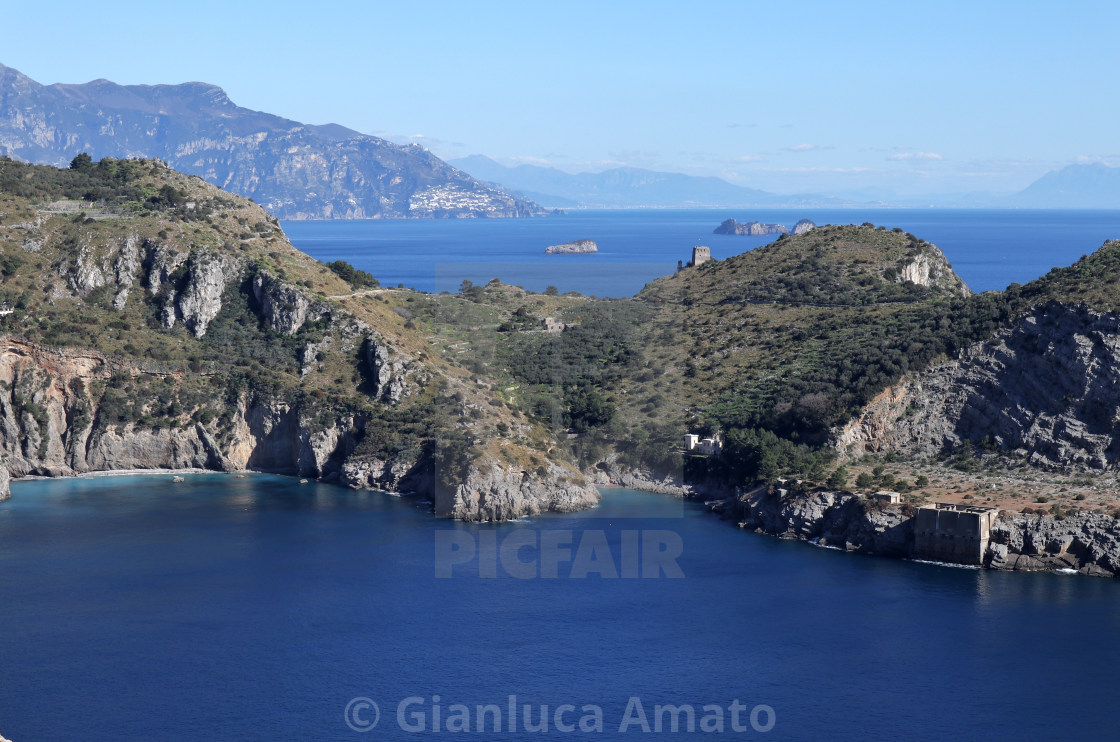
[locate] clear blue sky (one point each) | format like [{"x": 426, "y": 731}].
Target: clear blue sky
[{"x": 794, "y": 96}]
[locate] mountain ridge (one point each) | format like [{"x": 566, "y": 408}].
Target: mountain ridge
[{"x": 295, "y": 170}]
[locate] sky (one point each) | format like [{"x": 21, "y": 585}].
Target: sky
[{"x": 876, "y": 99}]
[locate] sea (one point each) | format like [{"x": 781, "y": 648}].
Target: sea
[
  {"x": 262, "y": 608},
  {"x": 989, "y": 249}
]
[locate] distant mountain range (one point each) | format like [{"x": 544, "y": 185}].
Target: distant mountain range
[
  {"x": 294, "y": 170},
  {"x": 1083, "y": 186},
  {"x": 628, "y": 187}
]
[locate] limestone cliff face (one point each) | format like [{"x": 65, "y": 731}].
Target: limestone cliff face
[
  {"x": 284, "y": 307},
  {"x": 1086, "y": 542},
  {"x": 5, "y": 483},
  {"x": 927, "y": 266},
  {"x": 201, "y": 300},
  {"x": 1047, "y": 388},
  {"x": 803, "y": 226},
  {"x": 390, "y": 371},
  {"x": 494, "y": 491},
  {"x": 50, "y": 425}
]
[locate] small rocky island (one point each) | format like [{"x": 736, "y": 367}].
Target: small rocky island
[
  {"x": 758, "y": 229},
  {"x": 578, "y": 247}
]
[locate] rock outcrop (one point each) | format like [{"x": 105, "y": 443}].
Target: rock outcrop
[
  {"x": 571, "y": 248},
  {"x": 838, "y": 519},
  {"x": 1086, "y": 542},
  {"x": 201, "y": 300},
  {"x": 5, "y": 483},
  {"x": 285, "y": 308},
  {"x": 494, "y": 491},
  {"x": 803, "y": 226},
  {"x": 1045, "y": 389},
  {"x": 388, "y": 371}
]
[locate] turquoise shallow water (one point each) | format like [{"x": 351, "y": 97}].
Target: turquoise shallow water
[
  {"x": 988, "y": 248},
  {"x": 258, "y": 608}
]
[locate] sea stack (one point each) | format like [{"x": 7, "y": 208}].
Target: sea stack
[{"x": 572, "y": 248}]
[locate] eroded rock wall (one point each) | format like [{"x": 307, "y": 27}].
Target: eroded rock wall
[{"x": 1046, "y": 389}]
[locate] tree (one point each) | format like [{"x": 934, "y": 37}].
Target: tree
[
  {"x": 356, "y": 277},
  {"x": 551, "y": 291},
  {"x": 82, "y": 163},
  {"x": 838, "y": 479},
  {"x": 864, "y": 481}
]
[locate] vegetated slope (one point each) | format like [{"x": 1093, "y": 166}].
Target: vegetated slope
[
  {"x": 152, "y": 320},
  {"x": 774, "y": 348},
  {"x": 296, "y": 171},
  {"x": 778, "y": 346}
]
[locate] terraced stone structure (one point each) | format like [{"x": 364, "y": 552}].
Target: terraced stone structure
[{"x": 953, "y": 533}]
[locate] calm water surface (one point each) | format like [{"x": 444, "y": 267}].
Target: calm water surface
[
  {"x": 989, "y": 249},
  {"x": 257, "y": 608}
]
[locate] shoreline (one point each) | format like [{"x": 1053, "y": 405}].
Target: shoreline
[{"x": 1081, "y": 543}]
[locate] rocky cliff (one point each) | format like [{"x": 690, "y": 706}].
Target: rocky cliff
[
  {"x": 294, "y": 170},
  {"x": 180, "y": 329},
  {"x": 494, "y": 491},
  {"x": 838, "y": 519},
  {"x": 1044, "y": 389},
  {"x": 803, "y": 226},
  {"x": 1088, "y": 543}
]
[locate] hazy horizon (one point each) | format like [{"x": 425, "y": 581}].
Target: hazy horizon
[{"x": 881, "y": 100}]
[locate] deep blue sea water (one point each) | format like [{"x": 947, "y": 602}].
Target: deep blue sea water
[
  {"x": 989, "y": 249},
  {"x": 258, "y": 608}
]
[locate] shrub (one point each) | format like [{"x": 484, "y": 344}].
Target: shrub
[{"x": 357, "y": 278}]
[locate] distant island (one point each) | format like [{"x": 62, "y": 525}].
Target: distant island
[
  {"x": 758, "y": 229},
  {"x": 573, "y": 248}
]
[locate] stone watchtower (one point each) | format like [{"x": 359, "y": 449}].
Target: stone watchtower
[{"x": 700, "y": 255}]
